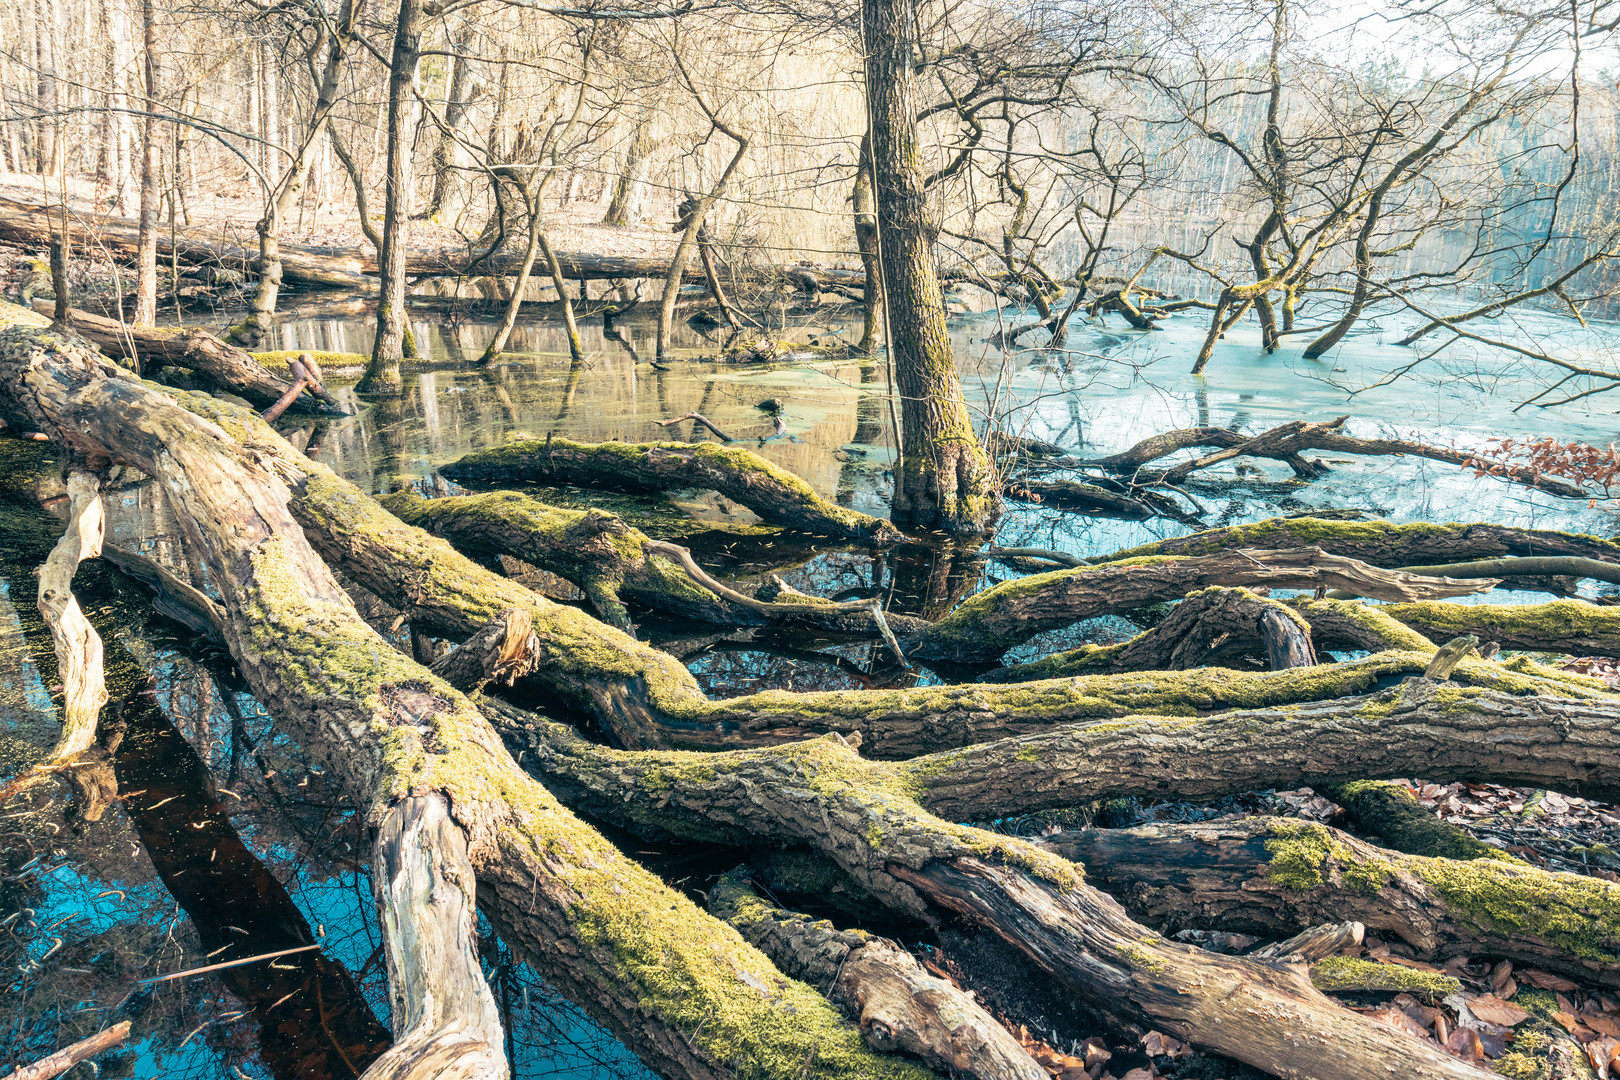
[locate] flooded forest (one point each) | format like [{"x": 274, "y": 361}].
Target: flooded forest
[{"x": 835, "y": 540}]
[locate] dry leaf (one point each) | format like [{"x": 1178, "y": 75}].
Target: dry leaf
[
  {"x": 1501, "y": 975},
  {"x": 1096, "y": 1053},
  {"x": 1602, "y": 1053},
  {"x": 1138, "y": 1074},
  {"x": 1545, "y": 980},
  {"x": 1464, "y": 1042},
  {"x": 1493, "y": 1010},
  {"x": 1603, "y": 1025},
  {"x": 1398, "y": 1020},
  {"x": 1566, "y": 1021}
]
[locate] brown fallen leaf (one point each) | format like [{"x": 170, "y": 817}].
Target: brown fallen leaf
[
  {"x": 1602, "y": 1053},
  {"x": 1464, "y": 1042},
  {"x": 1139, "y": 1074},
  {"x": 1603, "y": 1025},
  {"x": 1566, "y": 1021},
  {"x": 1493, "y": 1010},
  {"x": 1544, "y": 980},
  {"x": 1096, "y": 1053},
  {"x": 1393, "y": 1017}
]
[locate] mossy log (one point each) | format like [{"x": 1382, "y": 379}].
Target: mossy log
[
  {"x": 821, "y": 793},
  {"x": 1559, "y": 626},
  {"x": 231, "y": 369},
  {"x": 680, "y": 987},
  {"x": 1390, "y": 813},
  {"x": 613, "y": 563},
  {"x": 899, "y": 1005},
  {"x": 1272, "y": 876},
  {"x": 1384, "y": 543},
  {"x": 1419, "y": 728},
  {"x": 742, "y": 476},
  {"x": 997, "y": 619}
]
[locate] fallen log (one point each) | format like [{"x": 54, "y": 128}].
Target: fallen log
[
  {"x": 1286, "y": 443},
  {"x": 69, "y": 1056},
  {"x": 678, "y": 986},
  {"x": 1262, "y": 1012},
  {"x": 1275, "y": 875},
  {"x": 613, "y": 563},
  {"x": 29, "y": 225},
  {"x": 740, "y": 475},
  {"x": 995, "y": 620},
  {"x": 79, "y": 653},
  {"x": 900, "y": 1007},
  {"x": 231, "y": 369},
  {"x": 1383, "y": 543}
]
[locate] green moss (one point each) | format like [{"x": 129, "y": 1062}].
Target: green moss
[
  {"x": 1391, "y": 812},
  {"x": 1304, "y": 854},
  {"x": 16, "y": 315},
  {"x": 1575, "y": 914},
  {"x": 1558, "y": 625},
  {"x": 1345, "y": 974}
]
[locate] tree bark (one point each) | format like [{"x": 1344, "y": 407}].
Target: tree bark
[
  {"x": 769, "y": 491},
  {"x": 393, "y": 330},
  {"x": 1276, "y": 875},
  {"x": 997, "y": 619},
  {"x": 1264, "y": 1013},
  {"x": 146, "y": 244},
  {"x": 678, "y": 986},
  {"x": 945, "y": 481}
]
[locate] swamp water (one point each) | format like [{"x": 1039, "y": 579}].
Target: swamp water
[{"x": 246, "y": 850}]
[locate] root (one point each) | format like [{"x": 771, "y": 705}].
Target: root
[
  {"x": 742, "y": 476},
  {"x": 1274, "y": 875},
  {"x": 79, "y": 653}
]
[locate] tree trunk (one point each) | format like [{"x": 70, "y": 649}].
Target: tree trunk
[
  {"x": 146, "y": 245},
  {"x": 677, "y": 985},
  {"x": 393, "y": 330},
  {"x": 945, "y": 481},
  {"x": 866, "y": 239}
]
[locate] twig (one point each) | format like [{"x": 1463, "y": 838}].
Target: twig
[{"x": 227, "y": 964}]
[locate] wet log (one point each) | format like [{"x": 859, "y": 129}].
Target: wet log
[
  {"x": 899, "y": 1006},
  {"x": 1383, "y": 543},
  {"x": 1391, "y": 814},
  {"x": 1272, "y": 876},
  {"x": 997, "y": 619},
  {"x": 740, "y": 475},
  {"x": 820, "y": 793},
  {"x": 69, "y": 1056},
  {"x": 677, "y": 985},
  {"x": 226, "y": 366},
  {"x": 79, "y": 653}
]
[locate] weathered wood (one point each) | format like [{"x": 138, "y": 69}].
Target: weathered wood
[
  {"x": 446, "y": 1022},
  {"x": 899, "y": 1005},
  {"x": 1275, "y": 875},
  {"x": 822, "y": 794},
  {"x": 79, "y": 654},
  {"x": 1449, "y": 655},
  {"x": 997, "y": 619},
  {"x": 502, "y": 651},
  {"x": 1315, "y": 943},
  {"x": 740, "y": 475},
  {"x": 69, "y": 1056},
  {"x": 1288, "y": 643},
  {"x": 638, "y": 956},
  {"x": 226, "y": 366}
]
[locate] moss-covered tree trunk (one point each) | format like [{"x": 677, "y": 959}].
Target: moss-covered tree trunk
[
  {"x": 393, "y": 341},
  {"x": 945, "y": 481}
]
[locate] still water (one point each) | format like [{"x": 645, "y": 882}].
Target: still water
[{"x": 238, "y": 847}]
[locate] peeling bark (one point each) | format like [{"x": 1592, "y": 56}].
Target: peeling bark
[{"x": 900, "y": 1007}]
